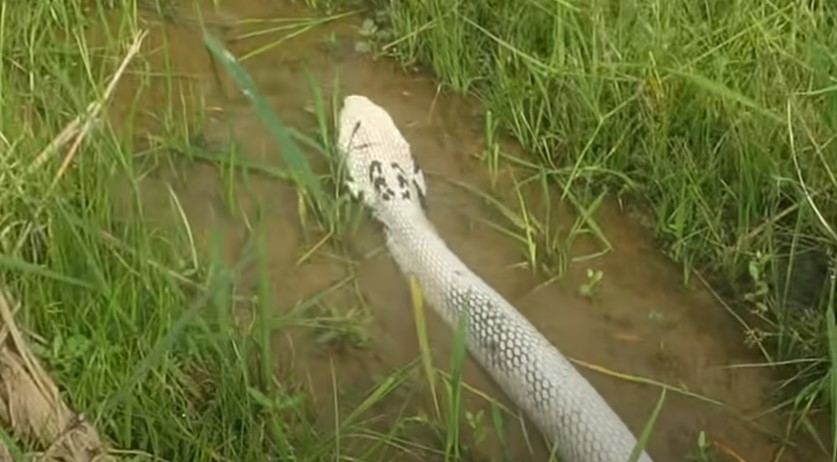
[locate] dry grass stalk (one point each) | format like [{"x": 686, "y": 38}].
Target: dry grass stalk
[
  {"x": 31, "y": 408},
  {"x": 78, "y": 129}
]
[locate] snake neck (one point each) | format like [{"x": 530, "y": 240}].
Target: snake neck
[
  {"x": 407, "y": 227},
  {"x": 415, "y": 244},
  {"x": 419, "y": 251}
]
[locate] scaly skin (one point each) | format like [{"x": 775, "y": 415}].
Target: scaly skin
[{"x": 569, "y": 412}]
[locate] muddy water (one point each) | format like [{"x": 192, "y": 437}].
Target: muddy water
[{"x": 642, "y": 322}]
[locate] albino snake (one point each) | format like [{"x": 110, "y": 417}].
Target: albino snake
[{"x": 569, "y": 412}]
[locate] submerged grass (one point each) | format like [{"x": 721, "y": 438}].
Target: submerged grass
[{"x": 719, "y": 115}]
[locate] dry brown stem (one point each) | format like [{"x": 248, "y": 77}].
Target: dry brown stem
[{"x": 31, "y": 408}]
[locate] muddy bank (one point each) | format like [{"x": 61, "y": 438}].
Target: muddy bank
[{"x": 642, "y": 321}]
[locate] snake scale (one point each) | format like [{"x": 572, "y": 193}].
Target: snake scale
[{"x": 569, "y": 412}]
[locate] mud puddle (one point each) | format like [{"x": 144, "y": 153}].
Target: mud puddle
[{"x": 641, "y": 322}]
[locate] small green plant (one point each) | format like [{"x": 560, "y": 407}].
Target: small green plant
[
  {"x": 758, "y": 295},
  {"x": 330, "y": 42},
  {"x": 491, "y": 153},
  {"x": 703, "y": 451},
  {"x": 545, "y": 247},
  {"x": 589, "y": 287},
  {"x": 726, "y": 135},
  {"x": 373, "y": 35},
  {"x": 367, "y": 31},
  {"x": 655, "y": 316},
  {"x": 475, "y": 423}
]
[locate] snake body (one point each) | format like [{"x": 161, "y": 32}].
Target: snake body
[{"x": 568, "y": 411}]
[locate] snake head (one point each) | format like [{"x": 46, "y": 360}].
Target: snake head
[{"x": 380, "y": 167}]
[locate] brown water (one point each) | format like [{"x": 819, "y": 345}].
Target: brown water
[{"x": 643, "y": 321}]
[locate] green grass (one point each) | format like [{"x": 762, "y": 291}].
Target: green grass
[
  {"x": 146, "y": 330},
  {"x": 137, "y": 325},
  {"x": 141, "y": 340},
  {"x": 140, "y": 325},
  {"x": 720, "y": 115}
]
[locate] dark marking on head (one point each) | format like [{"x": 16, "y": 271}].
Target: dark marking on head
[
  {"x": 379, "y": 183},
  {"x": 402, "y": 182},
  {"x": 355, "y": 129},
  {"x": 375, "y": 171},
  {"x": 422, "y": 199},
  {"x": 421, "y": 196}
]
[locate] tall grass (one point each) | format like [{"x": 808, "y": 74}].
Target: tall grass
[
  {"x": 139, "y": 326},
  {"x": 118, "y": 328},
  {"x": 720, "y": 115},
  {"x": 136, "y": 324}
]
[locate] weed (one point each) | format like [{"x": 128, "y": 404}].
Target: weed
[
  {"x": 289, "y": 27},
  {"x": 139, "y": 323},
  {"x": 144, "y": 332},
  {"x": 703, "y": 450},
  {"x": 491, "y": 154},
  {"x": 330, "y": 43},
  {"x": 588, "y": 288},
  {"x": 719, "y": 116},
  {"x": 367, "y": 31}
]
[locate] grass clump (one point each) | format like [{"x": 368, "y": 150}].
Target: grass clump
[
  {"x": 143, "y": 327},
  {"x": 138, "y": 326},
  {"x": 141, "y": 343},
  {"x": 719, "y": 115}
]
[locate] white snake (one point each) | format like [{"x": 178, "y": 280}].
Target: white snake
[{"x": 569, "y": 412}]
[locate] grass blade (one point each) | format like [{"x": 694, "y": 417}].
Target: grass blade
[
  {"x": 424, "y": 345},
  {"x": 831, "y": 331},
  {"x": 295, "y": 160},
  {"x": 26, "y": 267},
  {"x": 455, "y": 387},
  {"x": 648, "y": 429}
]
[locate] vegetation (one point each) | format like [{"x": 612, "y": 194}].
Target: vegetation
[
  {"x": 139, "y": 332},
  {"x": 719, "y": 115},
  {"x": 149, "y": 334},
  {"x": 143, "y": 329}
]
